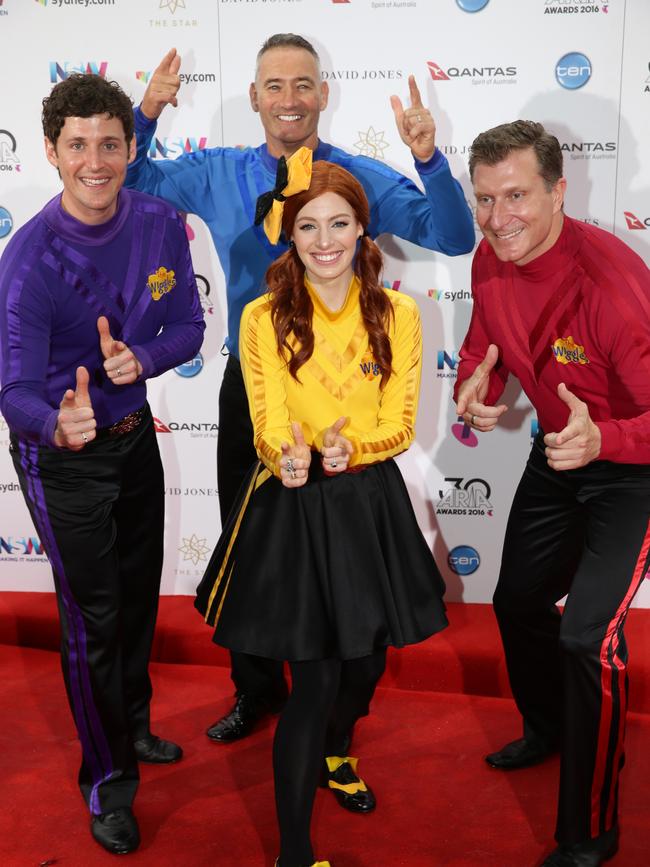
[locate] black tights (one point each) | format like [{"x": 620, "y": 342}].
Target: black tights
[{"x": 327, "y": 697}]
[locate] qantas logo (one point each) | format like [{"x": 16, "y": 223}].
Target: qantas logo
[
  {"x": 437, "y": 73},
  {"x": 633, "y": 222}
]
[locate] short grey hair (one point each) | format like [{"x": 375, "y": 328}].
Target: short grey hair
[{"x": 286, "y": 40}]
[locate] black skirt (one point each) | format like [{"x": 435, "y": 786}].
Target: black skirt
[{"x": 335, "y": 569}]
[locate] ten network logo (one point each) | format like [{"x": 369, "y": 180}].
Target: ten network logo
[{"x": 633, "y": 222}]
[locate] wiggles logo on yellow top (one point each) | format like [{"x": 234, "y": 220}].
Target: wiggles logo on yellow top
[
  {"x": 160, "y": 283},
  {"x": 566, "y": 350},
  {"x": 369, "y": 366}
]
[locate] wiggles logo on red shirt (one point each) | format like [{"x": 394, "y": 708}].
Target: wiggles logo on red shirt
[{"x": 566, "y": 351}]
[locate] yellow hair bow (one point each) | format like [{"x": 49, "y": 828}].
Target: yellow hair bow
[{"x": 293, "y": 176}]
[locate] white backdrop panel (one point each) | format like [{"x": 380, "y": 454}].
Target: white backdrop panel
[{"x": 475, "y": 69}]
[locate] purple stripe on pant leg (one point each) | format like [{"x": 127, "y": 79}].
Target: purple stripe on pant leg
[{"x": 82, "y": 698}]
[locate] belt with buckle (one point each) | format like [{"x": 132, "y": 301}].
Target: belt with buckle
[{"x": 123, "y": 426}]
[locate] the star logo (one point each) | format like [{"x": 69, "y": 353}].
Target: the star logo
[
  {"x": 172, "y": 5},
  {"x": 194, "y": 549},
  {"x": 371, "y": 144},
  {"x": 437, "y": 73}
]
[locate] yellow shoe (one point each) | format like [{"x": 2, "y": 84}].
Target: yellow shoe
[{"x": 349, "y": 790}]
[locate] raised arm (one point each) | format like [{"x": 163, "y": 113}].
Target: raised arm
[{"x": 438, "y": 219}]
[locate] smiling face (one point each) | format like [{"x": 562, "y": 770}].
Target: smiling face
[
  {"x": 289, "y": 96},
  {"x": 92, "y": 155},
  {"x": 517, "y": 213},
  {"x": 325, "y": 235}
]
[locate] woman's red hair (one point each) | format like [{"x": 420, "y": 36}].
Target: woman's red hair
[{"x": 291, "y": 306}]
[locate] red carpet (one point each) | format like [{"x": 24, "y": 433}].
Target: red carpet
[{"x": 442, "y": 706}]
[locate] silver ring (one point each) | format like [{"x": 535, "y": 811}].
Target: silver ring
[
  {"x": 84, "y": 438},
  {"x": 333, "y": 465},
  {"x": 292, "y": 474},
  {"x": 418, "y": 117},
  {"x": 289, "y": 467},
  {"x": 118, "y": 372},
  {"x": 471, "y": 421}
]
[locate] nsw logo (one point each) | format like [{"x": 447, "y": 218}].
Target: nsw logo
[
  {"x": 573, "y": 70},
  {"x": 463, "y": 560}
]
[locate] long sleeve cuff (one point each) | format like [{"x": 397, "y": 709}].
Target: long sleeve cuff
[
  {"x": 142, "y": 122},
  {"x": 146, "y": 362},
  {"x": 432, "y": 165},
  {"x": 611, "y": 440},
  {"x": 50, "y": 427}
]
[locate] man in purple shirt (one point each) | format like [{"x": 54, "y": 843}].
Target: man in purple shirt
[{"x": 97, "y": 294}]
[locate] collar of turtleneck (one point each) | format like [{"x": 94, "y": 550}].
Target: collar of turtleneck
[
  {"x": 71, "y": 229},
  {"x": 557, "y": 259}
]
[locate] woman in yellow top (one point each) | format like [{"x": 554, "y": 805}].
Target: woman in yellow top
[{"x": 322, "y": 562}]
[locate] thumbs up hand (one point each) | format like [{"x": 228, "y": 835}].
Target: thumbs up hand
[
  {"x": 579, "y": 442},
  {"x": 295, "y": 459},
  {"x": 76, "y": 424},
  {"x": 337, "y": 449},
  {"x": 121, "y": 365}
]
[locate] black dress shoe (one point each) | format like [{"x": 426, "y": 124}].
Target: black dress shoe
[
  {"x": 349, "y": 790},
  {"x": 116, "y": 831},
  {"x": 240, "y": 721},
  {"x": 521, "y": 753},
  {"x": 591, "y": 853},
  {"x": 156, "y": 751}
]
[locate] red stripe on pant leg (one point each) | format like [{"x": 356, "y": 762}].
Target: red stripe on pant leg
[{"x": 611, "y": 641}]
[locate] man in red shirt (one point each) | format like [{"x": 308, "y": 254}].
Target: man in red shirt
[{"x": 565, "y": 307}]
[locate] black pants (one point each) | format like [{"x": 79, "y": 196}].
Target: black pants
[
  {"x": 260, "y": 678},
  {"x": 327, "y": 689},
  {"x": 583, "y": 533},
  {"x": 100, "y": 516}
]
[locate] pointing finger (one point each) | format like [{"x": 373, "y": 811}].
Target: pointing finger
[
  {"x": 298, "y": 437},
  {"x": 414, "y": 91},
  {"x": 165, "y": 65},
  {"x": 398, "y": 110},
  {"x": 175, "y": 65}
]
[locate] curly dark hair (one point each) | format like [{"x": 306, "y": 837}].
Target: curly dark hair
[
  {"x": 84, "y": 95},
  {"x": 291, "y": 306},
  {"x": 494, "y": 145}
]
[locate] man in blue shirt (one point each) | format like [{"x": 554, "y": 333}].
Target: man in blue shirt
[{"x": 221, "y": 185}]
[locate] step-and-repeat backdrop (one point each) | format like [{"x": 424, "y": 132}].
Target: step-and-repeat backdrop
[{"x": 582, "y": 67}]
